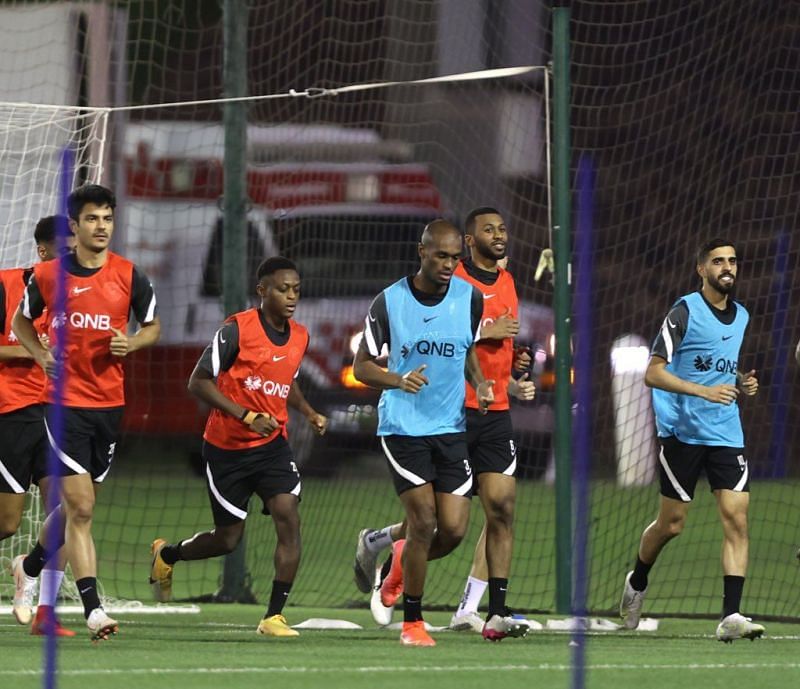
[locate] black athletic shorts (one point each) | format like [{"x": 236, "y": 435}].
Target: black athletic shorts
[
  {"x": 87, "y": 439},
  {"x": 437, "y": 459},
  {"x": 234, "y": 475},
  {"x": 489, "y": 442},
  {"x": 681, "y": 464},
  {"x": 23, "y": 448}
]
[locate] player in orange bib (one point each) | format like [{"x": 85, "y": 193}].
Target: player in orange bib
[
  {"x": 492, "y": 453},
  {"x": 22, "y": 433},
  {"x": 102, "y": 290},
  {"x": 247, "y": 376}
]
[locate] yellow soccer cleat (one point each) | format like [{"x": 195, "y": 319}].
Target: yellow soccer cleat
[
  {"x": 275, "y": 626},
  {"x": 160, "y": 573}
]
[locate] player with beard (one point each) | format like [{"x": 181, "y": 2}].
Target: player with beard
[
  {"x": 694, "y": 376},
  {"x": 492, "y": 453}
]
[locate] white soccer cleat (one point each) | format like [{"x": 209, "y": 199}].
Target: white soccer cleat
[
  {"x": 380, "y": 613},
  {"x": 498, "y": 628},
  {"x": 24, "y": 591},
  {"x": 630, "y": 607},
  {"x": 469, "y": 621},
  {"x": 364, "y": 564},
  {"x": 100, "y": 625},
  {"x": 737, "y": 626}
]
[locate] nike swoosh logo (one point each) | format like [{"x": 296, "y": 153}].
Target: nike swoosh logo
[
  {"x": 222, "y": 340},
  {"x": 80, "y": 290},
  {"x": 278, "y": 358},
  {"x": 727, "y": 338},
  {"x": 428, "y": 320},
  {"x": 489, "y": 296},
  {"x": 670, "y": 323},
  {"x": 371, "y": 317}
]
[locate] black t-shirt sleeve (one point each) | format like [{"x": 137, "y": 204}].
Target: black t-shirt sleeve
[
  {"x": 32, "y": 304},
  {"x": 672, "y": 332},
  {"x": 222, "y": 351},
  {"x": 143, "y": 298},
  {"x": 376, "y": 327},
  {"x": 476, "y": 310}
]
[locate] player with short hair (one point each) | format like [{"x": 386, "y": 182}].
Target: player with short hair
[
  {"x": 429, "y": 323},
  {"x": 22, "y": 432},
  {"x": 254, "y": 359},
  {"x": 693, "y": 371},
  {"x": 102, "y": 290},
  {"x": 492, "y": 453}
]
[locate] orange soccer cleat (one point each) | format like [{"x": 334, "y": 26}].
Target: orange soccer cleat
[
  {"x": 414, "y": 634},
  {"x": 392, "y": 585},
  {"x": 46, "y": 623}
]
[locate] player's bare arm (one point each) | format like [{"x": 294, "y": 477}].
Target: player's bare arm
[
  {"x": 522, "y": 388},
  {"x": 29, "y": 339},
  {"x": 202, "y": 385},
  {"x": 474, "y": 376},
  {"x": 297, "y": 400},
  {"x": 367, "y": 370},
  {"x": 748, "y": 382},
  {"x": 123, "y": 344},
  {"x": 503, "y": 327},
  {"x": 9, "y": 352},
  {"x": 657, "y": 376}
]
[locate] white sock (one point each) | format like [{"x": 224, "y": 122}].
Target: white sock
[
  {"x": 49, "y": 583},
  {"x": 378, "y": 540},
  {"x": 473, "y": 592}
]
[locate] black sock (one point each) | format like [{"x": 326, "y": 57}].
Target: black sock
[
  {"x": 278, "y": 598},
  {"x": 87, "y": 587},
  {"x": 34, "y": 563},
  {"x": 497, "y": 596},
  {"x": 386, "y": 567},
  {"x": 733, "y": 587},
  {"x": 171, "y": 553},
  {"x": 412, "y": 608},
  {"x": 639, "y": 576}
]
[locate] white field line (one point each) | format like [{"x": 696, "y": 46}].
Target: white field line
[{"x": 382, "y": 669}]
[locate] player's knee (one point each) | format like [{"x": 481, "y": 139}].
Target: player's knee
[
  {"x": 674, "y": 527},
  {"x": 422, "y": 527},
  {"x": 81, "y": 512},
  {"x": 228, "y": 540},
  {"x": 450, "y": 536},
  {"x": 9, "y": 525},
  {"x": 500, "y": 512}
]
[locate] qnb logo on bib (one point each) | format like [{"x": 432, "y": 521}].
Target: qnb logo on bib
[
  {"x": 268, "y": 387},
  {"x": 83, "y": 321},
  {"x": 721, "y": 365},
  {"x": 429, "y": 348}
]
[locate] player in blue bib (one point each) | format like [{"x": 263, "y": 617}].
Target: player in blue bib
[
  {"x": 426, "y": 325},
  {"x": 694, "y": 374}
]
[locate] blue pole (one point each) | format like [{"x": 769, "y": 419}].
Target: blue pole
[
  {"x": 55, "y": 411},
  {"x": 582, "y": 437},
  {"x": 780, "y": 387}
]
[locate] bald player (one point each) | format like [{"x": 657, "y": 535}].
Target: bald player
[{"x": 429, "y": 323}]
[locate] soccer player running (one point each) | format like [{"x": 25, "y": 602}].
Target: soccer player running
[
  {"x": 694, "y": 374},
  {"x": 492, "y": 453},
  {"x": 22, "y": 433},
  {"x": 254, "y": 359},
  {"x": 102, "y": 289},
  {"x": 429, "y": 323}
]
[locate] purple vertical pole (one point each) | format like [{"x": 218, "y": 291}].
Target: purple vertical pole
[
  {"x": 55, "y": 411},
  {"x": 582, "y": 427}
]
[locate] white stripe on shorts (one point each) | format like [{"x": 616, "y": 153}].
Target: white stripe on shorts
[
  {"x": 10, "y": 480},
  {"x": 63, "y": 456},
  {"x": 739, "y": 487},
  {"x": 230, "y": 507},
  {"x": 677, "y": 486},
  {"x": 464, "y": 487},
  {"x": 405, "y": 473}
]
